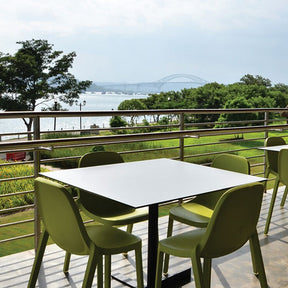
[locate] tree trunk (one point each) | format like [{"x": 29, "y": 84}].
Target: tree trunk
[{"x": 28, "y": 126}]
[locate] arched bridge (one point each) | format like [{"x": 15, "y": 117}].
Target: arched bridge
[
  {"x": 192, "y": 78},
  {"x": 163, "y": 85}
]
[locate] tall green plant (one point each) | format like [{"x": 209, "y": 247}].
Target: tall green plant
[{"x": 15, "y": 186}]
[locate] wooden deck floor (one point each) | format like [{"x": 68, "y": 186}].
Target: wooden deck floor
[{"x": 234, "y": 270}]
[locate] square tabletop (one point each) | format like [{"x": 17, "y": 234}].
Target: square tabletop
[{"x": 148, "y": 182}]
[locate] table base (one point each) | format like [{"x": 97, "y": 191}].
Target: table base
[{"x": 173, "y": 281}]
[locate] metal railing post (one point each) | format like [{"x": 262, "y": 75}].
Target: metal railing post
[
  {"x": 266, "y": 123},
  {"x": 266, "y": 135},
  {"x": 36, "y": 157},
  {"x": 181, "y": 139}
]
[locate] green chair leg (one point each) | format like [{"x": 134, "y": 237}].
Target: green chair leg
[
  {"x": 254, "y": 264},
  {"x": 107, "y": 271},
  {"x": 271, "y": 205},
  {"x": 207, "y": 264},
  {"x": 128, "y": 230},
  {"x": 100, "y": 272},
  {"x": 90, "y": 269},
  {"x": 167, "y": 256},
  {"x": 38, "y": 259},
  {"x": 284, "y": 197},
  {"x": 197, "y": 270},
  {"x": 139, "y": 267},
  {"x": 266, "y": 175},
  {"x": 159, "y": 268},
  {"x": 257, "y": 255},
  {"x": 66, "y": 262}
]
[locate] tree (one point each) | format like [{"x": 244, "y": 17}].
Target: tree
[
  {"x": 239, "y": 102},
  {"x": 249, "y": 79},
  {"x": 132, "y": 104},
  {"x": 209, "y": 96},
  {"x": 117, "y": 121},
  {"x": 35, "y": 74}
]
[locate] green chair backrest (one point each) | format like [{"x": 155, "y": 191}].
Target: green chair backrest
[
  {"x": 272, "y": 156},
  {"x": 99, "y": 158},
  {"x": 232, "y": 162},
  {"x": 282, "y": 166},
  {"x": 95, "y": 204},
  {"x": 61, "y": 216},
  {"x": 233, "y": 221}
]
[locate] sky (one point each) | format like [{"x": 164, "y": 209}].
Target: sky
[{"x": 143, "y": 41}]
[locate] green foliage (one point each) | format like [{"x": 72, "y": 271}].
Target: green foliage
[
  {"x": 250, "y": 92},
  {"x": 249, "y": 79},
  {"x": 164, "y": 121},
  {"x": 98, "y": 148},
  {"x": 56, "y": 135},
  {"x": 239, "y": 102},
  {"x": 132, "y": 104},
  {"x": 37, "y": 73},
  {"x": 164, "y": 100},
  {"x": 118, "y": 121},
  {"x": 9, "y": 187},
  {"x": 145, "y": 122}
]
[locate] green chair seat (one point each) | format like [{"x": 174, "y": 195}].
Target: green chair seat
[
  {"x": 110, "y": 240},
  {"x": 137, "y": 215},
  {"x": 231, "y": 225},
  {"x": 181, "y": 244},
  {"x": 62, "y": 222},
  {"x": 190, "y": 213}
]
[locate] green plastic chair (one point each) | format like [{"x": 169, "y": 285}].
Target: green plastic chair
[
  {"x": 283, "y": 171},
  {"x": 101, "y": 209},
  {"x": 272, "y": 168},
  {"x": 62, "y": 222},
  {"x": 282, "y": 176},
  {"x": 272, "y": 158},
  {"x": 198, "y": 211},
  {"x": 232, "y": 224}
]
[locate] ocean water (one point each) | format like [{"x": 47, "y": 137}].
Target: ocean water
[{"x": 94, "y": 102}]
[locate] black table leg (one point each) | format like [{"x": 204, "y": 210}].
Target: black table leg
[{"x": 152, "y": 245}]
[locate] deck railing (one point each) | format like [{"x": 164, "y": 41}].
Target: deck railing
[{"x": 196, "y": 142}]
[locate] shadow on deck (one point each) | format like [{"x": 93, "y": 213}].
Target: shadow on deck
[{"x": 234, "y": 270}]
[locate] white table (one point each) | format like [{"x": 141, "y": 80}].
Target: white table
[
  {"x": 275, "y": 148},
  {"x": 150, "y": 183}
]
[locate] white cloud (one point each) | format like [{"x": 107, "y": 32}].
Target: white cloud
[
  {"x": 65, "y": 17},
  {"x": 215, "y": 38}
]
